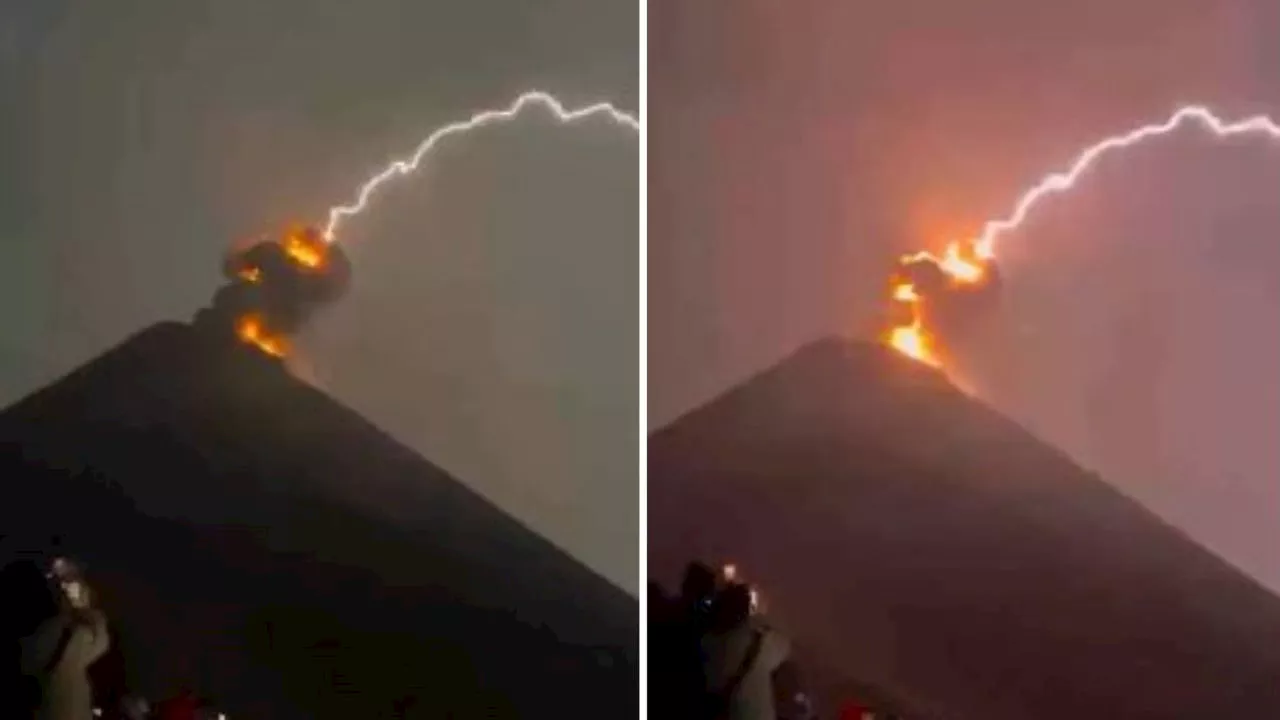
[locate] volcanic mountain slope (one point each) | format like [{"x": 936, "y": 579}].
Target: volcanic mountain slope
[
  {"x": 927, "y": 546},
  {"x": 252, "y": 538}
]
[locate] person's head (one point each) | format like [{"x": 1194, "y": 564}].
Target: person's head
[
  {"x": 699, "y": 583},
  {"x": 733, "y": 606},
  {"x": 29, "y": 597}
]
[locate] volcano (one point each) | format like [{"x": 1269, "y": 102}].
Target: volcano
[
  {"x": 914, "y": 540},
  {"x": 254, "y": 540}
]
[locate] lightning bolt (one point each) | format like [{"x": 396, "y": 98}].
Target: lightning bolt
[
  {"x": 481, "y": 119},
  {"x": 965, "y": 264},
  {"x": 1058, "y": 182}
]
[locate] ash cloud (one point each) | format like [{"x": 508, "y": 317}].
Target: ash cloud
[
  {"x": 954, "y": 312},
  {"x": 280, "y": 284}
]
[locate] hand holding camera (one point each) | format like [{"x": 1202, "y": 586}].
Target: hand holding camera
[{"x": 70, "y": 581}]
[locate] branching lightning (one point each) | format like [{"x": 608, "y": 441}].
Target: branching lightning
[
  {"x": 1059, "y": 182},
  {"x": 488, "y": 117},
  {"x": 965, "y": 264}
]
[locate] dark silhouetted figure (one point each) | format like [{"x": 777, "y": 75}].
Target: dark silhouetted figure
[
  {"x": 29, "y": 601},
  {"x": 697, "y": 590},
  {"x": 664, "y": 650},
  {"x": 741, "y": 657},
  {"x": 676, "y": 626}
]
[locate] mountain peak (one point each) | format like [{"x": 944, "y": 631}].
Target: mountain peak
[
  {"x": 236, "y": 519},
  {"x": 918, "y": 541}
]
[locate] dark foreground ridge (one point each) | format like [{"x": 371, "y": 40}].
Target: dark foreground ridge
[
  {"x": 254, "y": 539},
  {"x": 930, "y": 548}
]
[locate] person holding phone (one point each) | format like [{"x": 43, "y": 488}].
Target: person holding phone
[{"x": 57, "y": 655}]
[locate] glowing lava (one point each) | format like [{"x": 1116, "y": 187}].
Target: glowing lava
[
  {"x": 276, "y": 285},
  {"x": 915, "y": 342},
  {"x": 305, "y": 247},
  {"x": 963, "y": 266},
  {"x": 250, "y": 329}
]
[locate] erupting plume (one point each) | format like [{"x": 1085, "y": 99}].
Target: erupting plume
[
  {"x": 275, "y": 286},
  {"x": 968, "y": 265},
  {"x": 922, "y": 275}
]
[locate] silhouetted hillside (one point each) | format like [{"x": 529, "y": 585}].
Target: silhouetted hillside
[
  {"x": 255, "y": 539},
  {"x": 925, "y": 545}
]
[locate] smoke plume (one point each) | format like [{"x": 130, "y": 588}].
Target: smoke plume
[{"x": 274, "y": 287}]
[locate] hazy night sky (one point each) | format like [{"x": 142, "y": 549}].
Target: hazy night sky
[
  {"x": 796, "y": 148},
  {"x": 492, "y": 322}
]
